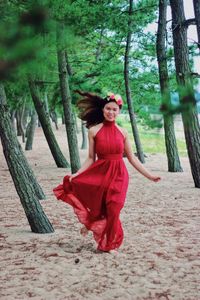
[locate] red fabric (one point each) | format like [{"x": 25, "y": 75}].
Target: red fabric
[{"x": 97, "y": 195}]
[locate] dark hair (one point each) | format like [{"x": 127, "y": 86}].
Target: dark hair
[{"x": 91, "y": 108}]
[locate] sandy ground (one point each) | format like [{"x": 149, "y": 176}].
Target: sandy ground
[{"x": 159, "y": 259}]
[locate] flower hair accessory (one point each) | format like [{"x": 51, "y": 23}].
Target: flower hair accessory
[{"x": 117, "y": 98}]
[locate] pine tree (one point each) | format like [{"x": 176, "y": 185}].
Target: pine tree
[
  {"x": 170, "y": 139},
  {"x": 186, "y": 92}
]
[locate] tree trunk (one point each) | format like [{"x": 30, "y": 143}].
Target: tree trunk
[
  {"x": 60, "y": 160},
  {"x": 186, "y": 92},
  {"x": 54, "y": 118},
  {"x": 99, "y": 46},
  {"x": 22, "y": 112},
  {"x": 63, "y": 119},
  {"x": 196, "y": 4},
  {"x": 25, "y": 117},
  {"x": 69, "y": 69},
  {"x": 128, "y": 90},
  {"x": 67, "y": 105},
  {"x": 170, "y": 139},
  {"x": 84, "y": 136},
  {"x": 20, "y": 119},
  {"x": 12, "y": 117},
  {"x": 70, "y": 73},
  {"x": 18, "y": 122},
  {"x": 30, "y": 175},
  {"x": 75, "y": 121},
  {"x": 28, "y": 126},
  {"x": 46, "y": 102},
  {"x": 21, "y": 173},
  {"x": 31, "y": 130}
]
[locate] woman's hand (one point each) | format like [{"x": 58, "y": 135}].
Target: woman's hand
[
  {"x": 134, "y": 161},
  {"x": 73, "y": 175},
  {"x": 154, "y": 178}
]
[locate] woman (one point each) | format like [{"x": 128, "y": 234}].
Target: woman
[{"x": 97, "y": 191}]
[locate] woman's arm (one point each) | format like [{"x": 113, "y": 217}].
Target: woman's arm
[
  {"x": 91, "y": 155},
  {"x": 135, "y": 162}
]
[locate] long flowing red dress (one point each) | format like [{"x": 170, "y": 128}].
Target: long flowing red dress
[{"x": 97, "y": 194}]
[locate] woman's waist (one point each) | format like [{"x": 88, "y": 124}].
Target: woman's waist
[{"x": 110, "y": 156}]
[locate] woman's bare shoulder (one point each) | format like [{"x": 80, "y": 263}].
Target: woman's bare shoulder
[{"x": 94, "y": 129}]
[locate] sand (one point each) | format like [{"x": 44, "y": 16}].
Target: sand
[{"x": 159, "y": 259}]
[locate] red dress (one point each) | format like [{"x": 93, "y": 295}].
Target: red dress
[{"x": 97, "y": 195}]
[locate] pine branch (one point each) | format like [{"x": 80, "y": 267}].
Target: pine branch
[
  {"x": 196, "y": 75},
  {"x": 189, "y": 22}
]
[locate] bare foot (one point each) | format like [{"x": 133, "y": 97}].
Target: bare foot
[
  {"x": 84, "y": 231},
  {"x": 113, "y": 252},
  {"x": 117, "y": 253}
]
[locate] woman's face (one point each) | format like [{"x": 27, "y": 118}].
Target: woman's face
[{"x": 111, "y": 111}]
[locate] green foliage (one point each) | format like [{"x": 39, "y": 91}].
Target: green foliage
[
  {"x": 94, "y": 35},
  {"x": 95, "y": 45}
]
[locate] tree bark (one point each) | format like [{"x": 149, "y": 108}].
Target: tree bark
[
  {"x": 21, "y": 172},
  {"x": 186, "y": 92},
  {"x": 22, "y": 111},
  {"x": 75, "y": 120},
  {"x": 46, "y": 102},
  {"x": 84, "y": 136},
  {"x": 60, "y": 160},
  {"x": 138, "y": 145},
  {"x": 18, "y": 122},
  {"x": 31, "y": 130},
  {"x": 63, "y": 119},
  {"x": 30, "y": 175},
  {"x": 196, "y": 4},
  {"x": 99, "y": 46},
  {"x": 54, "y": 118},
  {"x": 69, "y": 69},
  {"x": 25, "y": 117},
  {"x": 67, "y": 105},
  {"x": 170, "y": 139},
  {"x": 12, "y": 117}
]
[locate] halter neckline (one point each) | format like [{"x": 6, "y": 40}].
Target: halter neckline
[{"x": 109, "y": 123}]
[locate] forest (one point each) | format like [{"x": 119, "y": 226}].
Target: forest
[{"x": 49, "y": 49}]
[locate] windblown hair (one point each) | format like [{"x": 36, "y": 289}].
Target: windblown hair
[{"x": 91, "y": 108}]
